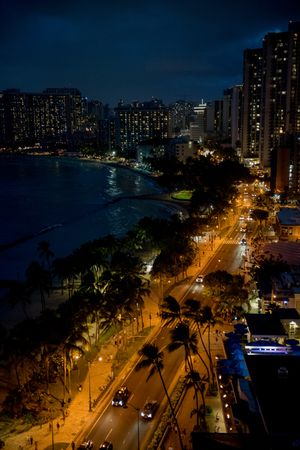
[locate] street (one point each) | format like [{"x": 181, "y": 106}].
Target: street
[
  {"x": 122, "y": 426},
  {"x": 119, "y": 424}
]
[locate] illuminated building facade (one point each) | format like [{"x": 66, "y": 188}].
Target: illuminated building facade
[
  {"x": 232, "y": 115},
  {"x": 252, "y": 83},
  {"x": 274, "y": 94},
  {"x": 214, "y": 119},
  {"x": 285, "y": 166},
  {"x": 271, "y": 94},
  {"x": 55, "y": 115},
  {"x": 138, "y": 122},
  {"x": 198, "y": 126},
  {"x": 181, "y": 115}
]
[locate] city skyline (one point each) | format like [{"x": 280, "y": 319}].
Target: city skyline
[{"x": 133, "y": 51}]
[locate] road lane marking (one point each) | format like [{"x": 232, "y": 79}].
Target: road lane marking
[{"x": 106, "y": 437}]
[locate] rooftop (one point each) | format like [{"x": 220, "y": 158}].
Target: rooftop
[
  {"x": 265, "y": 325},
  {"x": 289, "y": 251},
  {"x": 287, "y": 313},
  {"x": 276, "y": 384},
  {"x": 289, "y": 216}
]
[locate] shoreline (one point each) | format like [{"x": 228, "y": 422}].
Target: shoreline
[
  {"x": 159, "y": 195},
  {"x": 163, "y": 197}
]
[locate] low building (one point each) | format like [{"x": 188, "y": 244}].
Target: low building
[
  {"x": 265, "y": 327},
  {"x": 288, "y": 224},
  {"x": 284, "y": 289},
  {"x": 182, "y": 148}
]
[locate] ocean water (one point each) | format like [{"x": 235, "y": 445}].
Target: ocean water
[{"x": 67, "y": 202}]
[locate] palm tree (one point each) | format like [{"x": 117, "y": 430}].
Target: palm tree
[
  {"x": 181, "y": 336},
  {"x": 61, "y": 269},
  {"x": 45, "y": 253},
  {"x": 209, "y": 321},
  {"x": 170, "y": 311},
  {"x": 193, "y": 311},
  {"x": 39, "y": 278},
  {"x": 153, "y": 358},
  {"x": 216, "y": 282},
  {"x": 19, "y": 293}
]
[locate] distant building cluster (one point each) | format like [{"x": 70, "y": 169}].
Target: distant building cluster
[
  {"x": 52, "y": 116},
  {"x": 259, "y": 118}
]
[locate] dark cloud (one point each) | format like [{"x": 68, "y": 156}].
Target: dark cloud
[{"x": 134, "y": 49}]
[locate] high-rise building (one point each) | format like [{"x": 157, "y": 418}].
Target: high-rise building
[
  {"x": 223, "y": 118},
  {"x": 251, "y": 110},
  {"x": 181, "y": 113},
  {"x": 138, "y": 122},
  {"x": 198, "y": 125},
  {"x": 280, "y": 169},
  {"x": 232, "y": 115},
  {"x": 274, "y": 94},
  {"x": 293, "y": 81},
  {"x": 285, "y": 166},
  {"x": 271, "y": 96},
  {"x": 2, "y": 118},
  {"x": 15, "y": 117},
  {"x": 68, "y": 104},
  {"x": 55, "y": 115},
  {"x": 214, "y": 119}
]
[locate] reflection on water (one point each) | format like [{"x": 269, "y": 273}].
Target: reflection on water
[{"x": 68, "y": 200}]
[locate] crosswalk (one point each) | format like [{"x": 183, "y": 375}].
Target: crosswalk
[
  {"x": 192, "y": 325},
  {"x": 232, "y": 241}
]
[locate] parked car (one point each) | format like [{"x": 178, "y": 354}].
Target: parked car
[
  {"x": 121, "y": 396},
  {"x": 86, "y": 445},
  {"x": 106, "y": 446},
  {"x": 149, "y": 409}
]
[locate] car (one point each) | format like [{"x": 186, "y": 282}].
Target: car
[
  {"x": 106, "y": 446},
  {"x": 243, "y": 242},
  {"x": 149, "y": 409},
  {"x": 121, "y": 396},
  {"x": 86, "y": 445},
  {"x": 199, "y": 279}
]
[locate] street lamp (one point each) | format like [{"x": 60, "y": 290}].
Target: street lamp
[
  {"x": 138, "y": 423},
  {"x": 90, "y": 395},
  {"x": 77, "y": 368}
]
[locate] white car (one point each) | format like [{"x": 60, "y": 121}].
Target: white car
[{"x": 199, "y": 279}]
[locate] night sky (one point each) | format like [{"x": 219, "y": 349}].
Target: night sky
[{"x": 134, "y": 49}]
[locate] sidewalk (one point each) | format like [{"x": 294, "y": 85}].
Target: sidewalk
[{"x": 61, "y": 432}]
